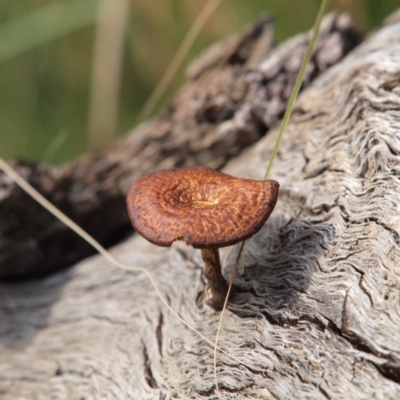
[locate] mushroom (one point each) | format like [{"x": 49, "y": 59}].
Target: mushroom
[{"x": 204, "y": 208}]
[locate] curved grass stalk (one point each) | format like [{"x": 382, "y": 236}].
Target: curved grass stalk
[
  {"x": 170, "y": 72},
  {"x": 149, "y": 107},
  {"x": 31, "y": 191},
  {"x": 283, "y": 126}
]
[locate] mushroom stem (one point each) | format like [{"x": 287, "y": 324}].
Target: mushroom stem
[{"x": 216, "y": 286}]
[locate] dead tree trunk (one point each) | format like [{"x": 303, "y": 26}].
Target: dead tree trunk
[
  {"x": 315, "y": 312},
  {"x": 227, "y": 104}
]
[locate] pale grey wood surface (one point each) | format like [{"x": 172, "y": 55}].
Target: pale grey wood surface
[{"x": 315, "y": 312}]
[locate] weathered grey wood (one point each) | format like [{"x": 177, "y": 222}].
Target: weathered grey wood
[
  {"x": 315, "y": 312},
  {"x": 227, "y": 104}
]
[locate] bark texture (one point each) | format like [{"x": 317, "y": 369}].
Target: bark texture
[
  {"x": 315, "y": 311},
  {"x": 235, "y": 93}
]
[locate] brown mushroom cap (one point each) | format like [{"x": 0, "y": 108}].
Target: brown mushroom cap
[{"x": 200, "y": 206}]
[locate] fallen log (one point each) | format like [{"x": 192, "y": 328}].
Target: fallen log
[
  {"x": 227, "y": 104},
  {"x": 315, "y": 310}
]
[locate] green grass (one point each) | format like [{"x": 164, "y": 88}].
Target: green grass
[{"x": 46, "y": 52}]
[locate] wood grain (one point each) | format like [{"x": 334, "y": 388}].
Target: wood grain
[{"x": 315, "y": 312}]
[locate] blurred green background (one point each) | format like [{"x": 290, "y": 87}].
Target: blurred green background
[{"x": 72, "y": 71}]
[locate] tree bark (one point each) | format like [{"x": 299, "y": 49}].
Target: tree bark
[{"x": 315, "y": 311}]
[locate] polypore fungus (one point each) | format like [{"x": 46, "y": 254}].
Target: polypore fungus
[{"x": 204, "y": 208}]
